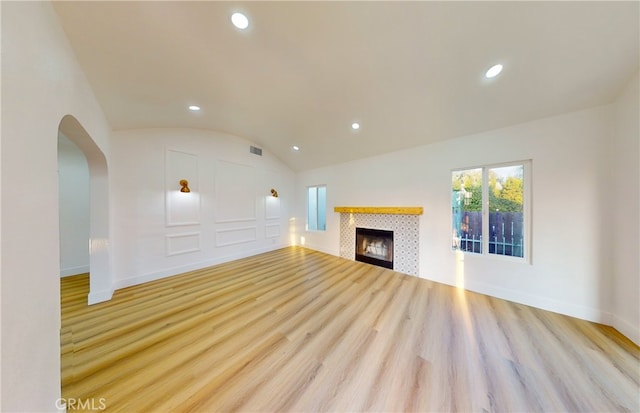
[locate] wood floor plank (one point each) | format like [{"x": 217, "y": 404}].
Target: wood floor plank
[{"x": 298, "y": 330}]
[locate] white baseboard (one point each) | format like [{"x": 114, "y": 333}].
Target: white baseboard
[
  {"x": 544, "y": 303},
  {"x": 153, "y": 276},
  {"x": 541, "y": 302},
  {"x": 82, "y": 269},
  {"x": 629, "y": 330},
  {"x": 626, "y": 328},
  {"x": 96, "y": 297},
  {"x": 326, "y": 251}
]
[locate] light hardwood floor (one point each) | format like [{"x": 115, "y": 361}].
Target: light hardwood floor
[{"x": 302, "y": 331}]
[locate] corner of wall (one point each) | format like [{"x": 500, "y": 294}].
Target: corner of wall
[
  {"x": 625, "y": 177},
  {"x": 96, "y": 297},
  {"x": 629, "y": 330}
]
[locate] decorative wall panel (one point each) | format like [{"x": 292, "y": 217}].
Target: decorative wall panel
[
  {"x": 272, "y": 208},
  {"x": 235, "y": 192},
  {"x": 181, "y": 208},
  {"x": 272, "y": 230},
  {"x": 271, "y": 180},
  {"x": 405, "y": 229},
  {"x": 234, "y": 236},
  {"x": 184, "y": 243}
]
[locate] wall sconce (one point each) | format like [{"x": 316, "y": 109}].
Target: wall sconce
[
  {"x": 184, "y": 186},
  {"x": 274, "y": 193}
]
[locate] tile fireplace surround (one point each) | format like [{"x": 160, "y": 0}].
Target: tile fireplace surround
[{"x": 403, "y": 221}]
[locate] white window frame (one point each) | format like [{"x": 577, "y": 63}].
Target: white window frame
[{"x": 526, "y": 210}]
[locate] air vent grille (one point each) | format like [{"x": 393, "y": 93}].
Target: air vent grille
[{"x": 256, "y": 151}]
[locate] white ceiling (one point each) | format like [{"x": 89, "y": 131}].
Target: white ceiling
[{"x": 411, "y": 73}]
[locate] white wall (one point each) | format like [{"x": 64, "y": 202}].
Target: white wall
[
  {"x": 624, "y": 212},
  {"x": 41, "y": 83},
  {"x": 229, "y": 214},
  {"x": 571, "y": 256},
  {"x": 73, "y": 190}
]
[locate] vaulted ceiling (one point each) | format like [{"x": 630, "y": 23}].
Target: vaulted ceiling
[{"x": 411, "y": 73}]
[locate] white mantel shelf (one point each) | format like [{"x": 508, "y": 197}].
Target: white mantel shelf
[{"x": 379, "y": 210}]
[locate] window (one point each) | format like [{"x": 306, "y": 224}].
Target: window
[
  {"x": 489, "y": 207},
  {"x": 316, "y": 208}
]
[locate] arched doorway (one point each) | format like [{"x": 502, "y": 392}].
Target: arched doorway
[
  {"x": 73, "y": 211},
  {"x": 100, "y": 284}
]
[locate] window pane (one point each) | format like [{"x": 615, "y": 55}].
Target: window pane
[
  {"x": 316, "y": 208},
  {"x": 322, "y": 206},
  {"x": 312, "y": 209},
  {"x": 506, "y": 224},
  {"x": 466, "y": 209}
]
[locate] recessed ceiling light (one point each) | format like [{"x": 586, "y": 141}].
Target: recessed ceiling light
[
  {"x": 355, "y": 126},
  {"x": 240, "y": 21},
  {"x": 194, "y": 108},
  {"x": 493, "y": 71},
  {"x": 295, "y": 147}
]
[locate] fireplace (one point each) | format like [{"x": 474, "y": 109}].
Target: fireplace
[
  {"x": 374, "y": 246},
  {"x": 403, "y": 221}
]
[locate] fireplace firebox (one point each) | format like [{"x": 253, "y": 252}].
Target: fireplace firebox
[{"x": 374, "y": 246}]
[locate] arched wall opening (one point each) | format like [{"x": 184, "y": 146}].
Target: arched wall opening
[
  {"x": 73, "y": 211},
  {"x": 100, "y": 282}
]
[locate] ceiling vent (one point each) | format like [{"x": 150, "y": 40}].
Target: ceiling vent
[{"x": 256, "y": 151}]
